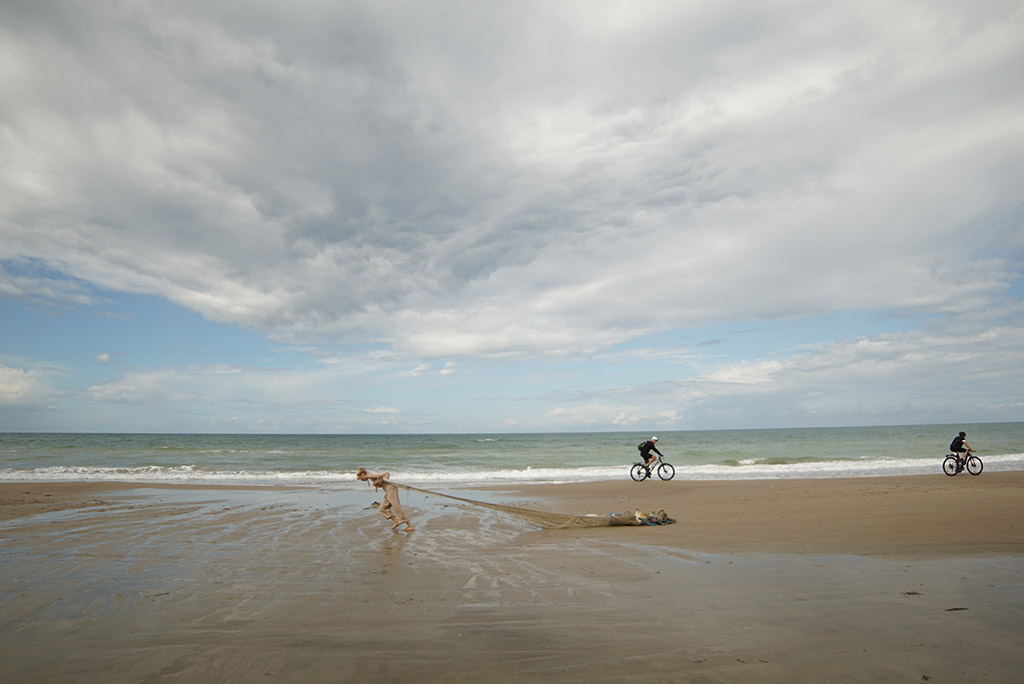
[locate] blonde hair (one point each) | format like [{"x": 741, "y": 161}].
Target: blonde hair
[{"x": 361, "y": 471}]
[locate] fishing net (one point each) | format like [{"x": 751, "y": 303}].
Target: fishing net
[{"x": 552, "y": 520}]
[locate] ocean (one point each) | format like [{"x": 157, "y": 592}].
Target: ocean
[{"x": 474, "y": 459}]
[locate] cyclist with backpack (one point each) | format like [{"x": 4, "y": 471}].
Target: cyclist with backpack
[
  {"x": 962, "y": 457},
  {"x": 958, "y": 446},
  {"x": 645, "y": 451}
]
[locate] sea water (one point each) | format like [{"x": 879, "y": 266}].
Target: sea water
[{"x": 464, "y": 459}]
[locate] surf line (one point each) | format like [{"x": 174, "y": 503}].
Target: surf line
[{"x": 554, "y": 520}]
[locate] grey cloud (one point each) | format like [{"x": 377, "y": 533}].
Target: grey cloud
[{"x": 526, "y": 179}]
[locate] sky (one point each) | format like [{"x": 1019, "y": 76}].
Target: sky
[{"x": 460, "y": 216}]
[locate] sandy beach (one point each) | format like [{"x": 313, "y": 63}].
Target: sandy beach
[{"x": 840, "y": 580}]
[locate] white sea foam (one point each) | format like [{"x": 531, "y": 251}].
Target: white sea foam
[{"x": 747, "y": 470}]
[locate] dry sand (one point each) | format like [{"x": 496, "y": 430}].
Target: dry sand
[{"x": 881, "y": 579}]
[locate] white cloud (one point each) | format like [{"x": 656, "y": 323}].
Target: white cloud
[
  {"x": 591, "y": 416},
  {"x": 746, "y": 373},
  {"x": 688, "y": 169},
  {"x": 918, "y": 376},
  {"x": 384, "y": 409},
  {"x": 21, "y": 387},
  {"x": 416, "y": 372}
]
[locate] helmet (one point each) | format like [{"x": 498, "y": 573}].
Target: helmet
[{"x": 654, "y": 439}]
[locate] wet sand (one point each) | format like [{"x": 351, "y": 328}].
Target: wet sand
[{"x": 881, "y": 579}]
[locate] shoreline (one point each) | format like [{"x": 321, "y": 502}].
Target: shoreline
[{"x": 911, "y": 515}]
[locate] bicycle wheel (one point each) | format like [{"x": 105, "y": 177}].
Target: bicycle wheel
[
  {"x": 638, "y": 472},
  {"x": 949, "y": 466},
  {"x": 666, "y": 471},
  {"x": 974, "y": 465}
]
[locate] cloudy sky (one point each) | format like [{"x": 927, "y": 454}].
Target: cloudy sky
[{"x": 367, "y": 217}]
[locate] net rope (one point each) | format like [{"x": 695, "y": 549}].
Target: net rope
[{"x": 552, "y": 520}]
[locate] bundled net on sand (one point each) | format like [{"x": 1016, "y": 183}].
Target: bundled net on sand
[{"x": 552, "y": 520}]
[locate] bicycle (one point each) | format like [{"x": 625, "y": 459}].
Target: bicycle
[
  {"x": 641, "y": 472},
  {"x": 953, "y": 464}
]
